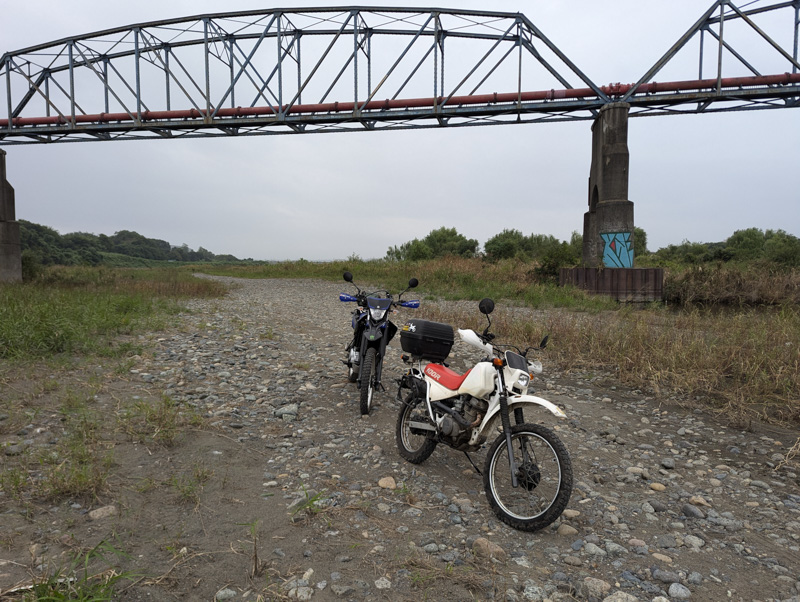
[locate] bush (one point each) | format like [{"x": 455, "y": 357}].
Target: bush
[
  {"x": 32, "y": 266},
  {"x": 438, "y": 243},
  {"x": 562, "y": 256},
  {"x": 782, "y": 248},
  {"x": 506, "y": 245},
  {"x": 745, "y": 245}
]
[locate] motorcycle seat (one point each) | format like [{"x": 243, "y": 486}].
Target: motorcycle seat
[{"x": 446, "y": 377}]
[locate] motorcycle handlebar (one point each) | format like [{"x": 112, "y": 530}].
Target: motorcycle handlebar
[{"x": 362, "y": 299}]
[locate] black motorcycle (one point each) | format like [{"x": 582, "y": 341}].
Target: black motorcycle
[{"x": 372, "y": 331}]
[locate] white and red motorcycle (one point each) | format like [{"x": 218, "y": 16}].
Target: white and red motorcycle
[{"x": 527, "y": 475}]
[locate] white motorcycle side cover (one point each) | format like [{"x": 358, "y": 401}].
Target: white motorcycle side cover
[{"x": 479, "y": 383}]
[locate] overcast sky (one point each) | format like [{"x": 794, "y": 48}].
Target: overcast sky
[{"x": 696, "y": 178}]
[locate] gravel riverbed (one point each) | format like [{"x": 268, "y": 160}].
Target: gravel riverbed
[{"x": 309, "y": 501}]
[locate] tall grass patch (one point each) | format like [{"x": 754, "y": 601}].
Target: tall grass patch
[
  {"x": 77, "y": 309},
  {"x": 745, "y": 363},
  {"x": 732, "y": 285}
]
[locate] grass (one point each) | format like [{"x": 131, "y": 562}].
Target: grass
[
  {"x": 161, "y": 422},
  {"x": 80, "y": 310},
  {"x": 451, "y": 278},
  {"x": 78, "y": 466},
  {"x": 732, "y": 285},
  {"x": 79, "y": 579}
]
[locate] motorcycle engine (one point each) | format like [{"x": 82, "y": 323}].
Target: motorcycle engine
[
  {"x": 471, "y": 409},
  {"x": 450, "y": 427},
  {"x": 474, "y": 409}
]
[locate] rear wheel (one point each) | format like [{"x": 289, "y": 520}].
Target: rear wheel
[
  {"x": 367, "y": 378},
  {"x": 544, "y": 477},
  {"x": 412, "y": 443}
]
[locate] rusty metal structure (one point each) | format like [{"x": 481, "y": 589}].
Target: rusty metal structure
[{"x": 362, "y": 69}]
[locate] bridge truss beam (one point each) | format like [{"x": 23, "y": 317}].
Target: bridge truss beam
[{"x": 361, "y": 69}]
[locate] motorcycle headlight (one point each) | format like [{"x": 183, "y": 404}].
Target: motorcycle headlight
[
  {"x": 377, "y": 314},
  {"x": 523, "y": 380}
]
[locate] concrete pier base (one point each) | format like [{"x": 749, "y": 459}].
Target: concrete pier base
[
  {"x": 10, "y": 247},
  {"x": 626, "y": 285}
]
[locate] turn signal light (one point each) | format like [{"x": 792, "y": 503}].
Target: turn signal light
[{"x": 497, "y": 362}]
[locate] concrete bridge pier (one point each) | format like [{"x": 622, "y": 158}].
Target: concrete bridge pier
[
  {"x": 608, "y": 225},
  {"x": 10, "y": 247},
  {"x": 608, "y": 243}
]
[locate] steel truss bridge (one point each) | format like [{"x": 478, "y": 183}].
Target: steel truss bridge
[{"x": 362, "y": 68}]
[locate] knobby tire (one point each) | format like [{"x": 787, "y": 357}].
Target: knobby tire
[
  {"x": 367, "y": 378},
  {"x": 414, "y": 448},
  {"x": 544, "y": 477}
]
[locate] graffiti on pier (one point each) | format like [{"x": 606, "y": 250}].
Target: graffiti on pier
[{"x": 617, "y": 249}]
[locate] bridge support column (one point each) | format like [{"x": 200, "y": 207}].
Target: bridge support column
[
  {"x": 608, "y": 225},
  {"x": 10, "y": 246}
]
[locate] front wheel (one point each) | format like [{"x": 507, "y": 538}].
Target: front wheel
[
  {"x": 367, "y": 378},
  {"x": 544, "y": 477},
  {"x": 412, "y": 443}
]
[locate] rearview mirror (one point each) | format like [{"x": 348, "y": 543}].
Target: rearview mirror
[
  {"x": 486, "y": 306},
  {"x": 413, "y": 283},
  {"x": 543, "y": 344},
  {"x": 348, "y": 276}
]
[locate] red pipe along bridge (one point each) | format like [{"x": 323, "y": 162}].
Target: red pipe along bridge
[{"x": 359, "y": 68}]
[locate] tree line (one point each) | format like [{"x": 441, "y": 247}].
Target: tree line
[
  {"x": 42, "y": 245},
  {"x": 45, "y": 246},
  {"x": 743, "y": 246},
  {"x": 775, "y": 247}
]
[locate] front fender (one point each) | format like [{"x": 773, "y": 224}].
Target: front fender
[
  {"x": 480, "y": 434},
  {"x": 516, "y": 401},
  {"x": 373, "y": 334}
]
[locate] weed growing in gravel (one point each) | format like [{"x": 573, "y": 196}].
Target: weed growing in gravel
[
  {"x": 13, "y": 482},
  {"x": 258, "y": 565},
  {"x": 188, "y": 488},
  {"x": 161, "y": 422},
  {"x": 78, "y": 463},
  {"x": 79, "y": 579},
  {"x": 267, "y": 334},
  {"x": 424, "y": 570},
  {"x": 312, "y": 505}
]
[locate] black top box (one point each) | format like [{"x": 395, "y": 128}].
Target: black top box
[{"x": 427, "y": 340}]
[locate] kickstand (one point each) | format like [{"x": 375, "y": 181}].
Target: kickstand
[{"x": 478, "y": 470}]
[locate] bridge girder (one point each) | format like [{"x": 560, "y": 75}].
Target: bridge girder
[{"x": 364, "y": 69}]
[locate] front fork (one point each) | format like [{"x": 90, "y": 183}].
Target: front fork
[
  {"x": 519, "y": 418},
  {"x": 380, "y": 351}
]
